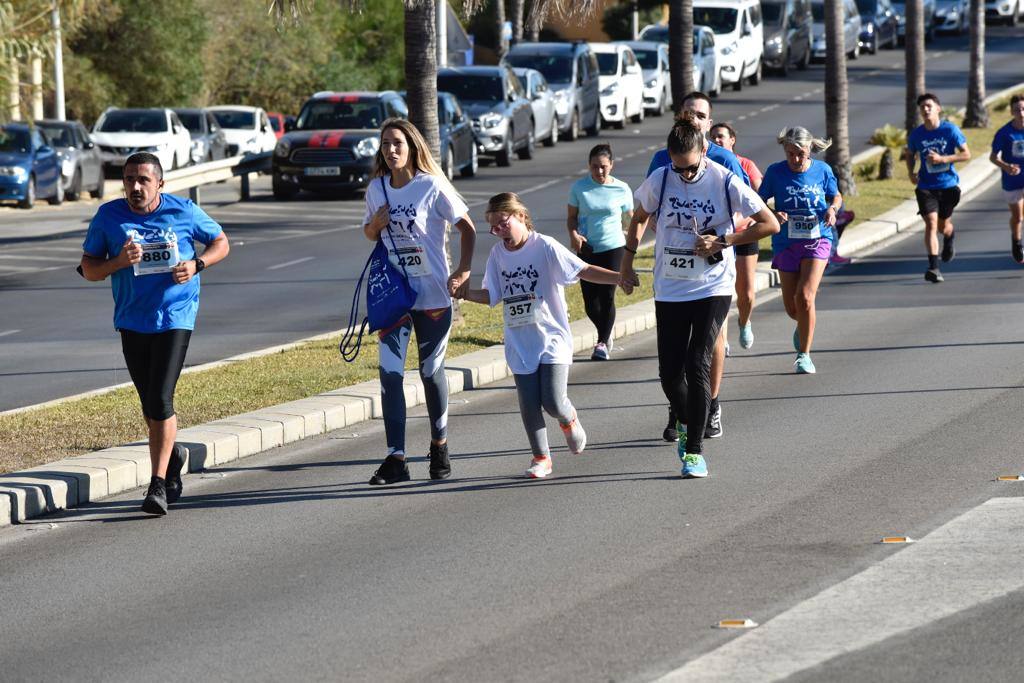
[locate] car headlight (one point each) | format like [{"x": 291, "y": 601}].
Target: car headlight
[
  {"x": 490, "y": 120},
  {"x": 154, "y": 148},
  {"x": 730, "y": 48},
  {"x": 283, "y": 148},
  {"x": 198, "y": 146},
  {"x": 67, "y": 167},
  {"x": 652, "y": 83},
  {"x": 561, "y": 95},
  {"x": 611, "y": 89},
  {"x": 775, "y": 42},
  {"x": 16, "y": 172},
  {"x": 367, "y": 147}
]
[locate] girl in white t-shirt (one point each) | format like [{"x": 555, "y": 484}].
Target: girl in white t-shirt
[{"x": 527, "y": 273}]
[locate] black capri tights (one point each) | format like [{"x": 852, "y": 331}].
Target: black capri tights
[
  {"x": 154, "y": 361},
  {"x": 599, "y": 300},
  {"x": 687, "y": 331}
]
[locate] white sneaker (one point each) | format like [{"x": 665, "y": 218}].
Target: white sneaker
[
  {"x": 600, "y": 352},
  {"x": 540, "y": 467},
  {"x": 575, "y": 437}
]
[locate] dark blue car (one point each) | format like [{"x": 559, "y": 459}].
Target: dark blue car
[{"x": 29, "y": 168}]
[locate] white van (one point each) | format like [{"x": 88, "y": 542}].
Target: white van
[{"x": 739, "y": 37}]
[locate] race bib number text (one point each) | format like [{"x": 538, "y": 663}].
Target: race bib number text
[
  {"x": 682, "y": 264},
  {"x": 804, "y": 227},
  {"x": 521, "y": 310},
  {"x": 414, "y": 258},
  {"x": 157, "y": 257}
]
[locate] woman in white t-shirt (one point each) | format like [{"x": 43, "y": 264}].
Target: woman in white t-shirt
[
  {"x": 527, "y": 273},
  {"x": 412, "y": 203},
  {"x": 693, "y": 202}
]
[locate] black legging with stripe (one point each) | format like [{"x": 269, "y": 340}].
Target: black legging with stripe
[
  {"x": 687, "y": 331},
  {"x": 599, "y": 300}
]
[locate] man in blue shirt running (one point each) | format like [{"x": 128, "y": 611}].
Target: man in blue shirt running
[
  {"x": 1008, "y": 155},
  {"x": 145, "y": 244}
]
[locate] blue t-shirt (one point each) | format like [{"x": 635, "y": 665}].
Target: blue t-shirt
[
  {"x": 805, "y": 197},
  {"x": 716, "y": 153},
  {"x": 600, "y": 211},
  {"x": 151, "y": 303},
  {"x": 1009, "y": 143},
  {"x": 944, "y": 140}
]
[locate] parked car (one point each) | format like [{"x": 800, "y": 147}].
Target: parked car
[
  {"x": 247, "y": 129},
  {"x": 458, "y": 141},
  {"x": 572, "y": 73},
  {"x": 495, "y": 101},
  {"x": 707, "y": 76},
  {"x": 122, "y": 132},
  {"x": 952, "y": 16},
  {"x": 653, "y": 59},
  {"x": 80, "y": 165},
  {"x": 29, "y": 168},
  {"x": 928, "y": 6},
  {"x": 851, "y": 29},
  {"x": 545, "y": 117},
  {"x": 622, "y": 84},
  {"x": 209, "y": 142},
  {"x": 277, "y": 122},
  {"x": 787, "y": 34},
  {"x": 739, "y": 37},
  {"x": 1008, "y": 11},
  {"x": 333, "y": 143},
  {"x": 879, "y": 25}
]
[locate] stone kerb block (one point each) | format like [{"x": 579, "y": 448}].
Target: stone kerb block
[
  {"x": 90, "y": 482},
  {"x": 5, "y": 509},
  {"x": 271, "y": 432},
  {"x": 38, "y": 492},
  {"x": 331, "y": 408},
  {"x": 207, "y": 448},
  {"x": 369, "y": 393},
  {"x": 135, "y": 456},
  {"x": 480, "y": 367},
  {"x": 293, "y": 427},
  {"x": 121, "y": 474}
]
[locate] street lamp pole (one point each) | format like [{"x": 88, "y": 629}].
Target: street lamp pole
[{"x": 58, "y": 65}]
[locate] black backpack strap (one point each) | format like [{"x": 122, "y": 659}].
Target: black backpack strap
[{"x": 728, "y": 199}]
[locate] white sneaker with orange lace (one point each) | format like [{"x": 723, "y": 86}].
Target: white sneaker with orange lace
[
  {"x": 540, "y": 467},
  {"x": 575, "y": 437}
]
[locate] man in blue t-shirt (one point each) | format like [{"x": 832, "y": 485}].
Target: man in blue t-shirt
[
  {"x": 145, "y": 244},
  {"x": 939, "y": 144},
  {"x": 1008, "y": 155}
]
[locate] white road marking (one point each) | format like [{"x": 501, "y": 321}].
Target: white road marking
[
  {"x": 30, "y": 257},
  {"x": 970, "y": 560},
  {"x": 291, "y": 263},
  {"x": 7, "y": 333}
]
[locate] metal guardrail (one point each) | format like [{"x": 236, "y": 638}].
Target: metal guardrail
[{"x": 191, "y": 178}]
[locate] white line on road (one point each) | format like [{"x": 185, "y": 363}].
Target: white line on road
[
  {"x": 7, "y": 333},
  {"x": 970, "y": 560},
  {"x": 291, "y": 263},
  {"x": 30, "y": 257}
]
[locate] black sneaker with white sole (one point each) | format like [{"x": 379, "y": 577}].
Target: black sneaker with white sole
[
  {"x": 391, "y": 471},
  {"x": 948, "y": 252},
  {"x": 156, "y": 497},
  {"x": 714, "y": 428},
  {"x": 933, "y": 275},
  {"x": 440, "y": 465},
  {"x": 671, "y": 433},
  {"x": 174, "y": 468}
]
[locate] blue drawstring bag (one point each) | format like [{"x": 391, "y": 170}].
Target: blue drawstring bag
[{"x": 389, "y": 296}]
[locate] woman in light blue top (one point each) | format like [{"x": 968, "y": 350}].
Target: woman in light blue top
[{"x": 600, "y": 208}]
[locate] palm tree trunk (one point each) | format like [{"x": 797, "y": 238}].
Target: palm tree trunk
[
  {"x": 535, "y": 19},
  {"x": 421, "y": 70},
  {"x": 977, "y": 114},
  {"x": 517, "y": 20},
  {"x": 914, "y": 61},
  {"x": 680, "y": 49},
  {"x": 499, "y": 20},
  {"x": 837, "y": 98}
]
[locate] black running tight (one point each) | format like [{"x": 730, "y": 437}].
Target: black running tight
[{"x": 599, "y": 300}]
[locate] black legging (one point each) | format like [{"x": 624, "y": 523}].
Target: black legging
[
  {"x": 599, "y": 300},
  {"x": 687, "y": 331},
  {"x": 154, "y": 361}
]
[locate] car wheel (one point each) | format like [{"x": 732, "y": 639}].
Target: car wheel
[
  {"x": 526, "y": 153},
  {"x": 716, "y": 88},
  {"x": 470, "y": 169},
  {"x": 283, "y": 191},
  {"x": 1014, "y": 19},
  {"x": 30, "y": 194},
  {"x": 639, "y": 116},
  {"x": 573, "y": 134},
  {"x": 552, "y": 139},
  {"x": 659, "y": 109},
  {"x": 504, "y": 157},
  {"x": 855, "y": 52},
  {"x": 874, "y": 44},
  {"x": 74, "y": 191},
  {"x": 738, "y": 85},
  {"x": 449, "y": 164},
  {"x": 784, "y": 69},
  {"x": 755, "y": 77},
  {"x": 805, "y": 61},
  {"x": 58, "y": 196},
  {"x": 98, "y": 192},
  {"x": 595, "y": 130}
]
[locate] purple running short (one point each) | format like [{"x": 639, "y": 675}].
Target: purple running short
[{"x": 788, "y": 260}]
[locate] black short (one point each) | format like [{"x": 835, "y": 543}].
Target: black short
[
  {"x": 750, "y": 249},
  {"x": 941, "y": 202},
  {"x": 154, "y": 361}
]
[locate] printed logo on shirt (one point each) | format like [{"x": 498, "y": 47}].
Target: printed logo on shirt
[
  {"x": 937, "y": 145},
  {"x": 403, "y": 218},
  {"x": 799, "y": 196},
  {"x": 684, "y": 211},
  {"x": 522, "y": 280},
  {"x": 140, "y": 233}
]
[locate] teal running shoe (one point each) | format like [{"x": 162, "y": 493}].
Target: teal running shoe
[
  {"x": 796, "y": 340},
  {"x": 681, "y": 446},
  {"x": 694, "y": 466},
  {"x": 747, "y": 336},
  {"x": 803, "y": 364}
]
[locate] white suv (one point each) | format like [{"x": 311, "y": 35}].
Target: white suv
[
  {"x": 621, "y": 82},
  {"x": 247, "y": 129},
  {"x": 119, "y": 133},
  {"x": 739, "y": 37}
]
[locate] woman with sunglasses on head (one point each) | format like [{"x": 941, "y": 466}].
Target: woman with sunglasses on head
[
  {"x": 693, "y": 202},
  {"x": 600, "y": 207},
  {"x": 411, "y": 200},
  {"x": 527, "y": 273},
  {"x": 806, "y": 200}
]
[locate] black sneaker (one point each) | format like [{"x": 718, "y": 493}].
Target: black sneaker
[
  {"x": 391, "y": 471},
  {"x": 671, "y": 433},
  {"x": 933, "y": 275},
  {"x": 714, "y": 428},
  {"x": 174, "y": 467},
  {"x": 948, "y": 252},
  {"x": 1018, "y": 252},
  {"x": 156, "y": 497},
  {"x": 440, "y": 466}
]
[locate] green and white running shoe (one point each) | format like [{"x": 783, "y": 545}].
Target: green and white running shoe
[
  {"x": 803, "y": 364},
  {"x": 694, "y": 466}
]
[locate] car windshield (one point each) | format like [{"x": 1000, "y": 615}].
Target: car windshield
[
  {"x": 13, "y": 140},
  {"x": 59, "y": 136},
  {"x": 818, "y": 12},
  {"x": 275, "y": 123},
  {"x": 193, "y": 120},
  {"x": 556, "y": 68},
  {"x": 657, "y": 34},
  {"x": 472, "y": 87},
  {"x": 772, "y": 12},
  {"x": 235, "y": 118},
  {"x": 608, "y": 63},
  {"x": 648, "y": 58},
  {"x": 128, "y": 121},
  {"x": 718, "y": 19},
  {"x": 325, "y": 115}
]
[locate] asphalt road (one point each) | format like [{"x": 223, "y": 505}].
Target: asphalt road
[
  {"x": 293, "y": 264},
  {"x": 287, "y": 565}
]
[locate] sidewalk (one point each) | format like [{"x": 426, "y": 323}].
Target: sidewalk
[{"x": 75, "y": 481}]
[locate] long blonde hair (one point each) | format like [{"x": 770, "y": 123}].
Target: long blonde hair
[
  {"x": 510, "y": 203},
  {"x": 419, "y": 154}
]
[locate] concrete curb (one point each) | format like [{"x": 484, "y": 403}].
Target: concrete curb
[{"x": 87, "y": 478}]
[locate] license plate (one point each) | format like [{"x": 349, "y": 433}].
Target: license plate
[{"x": 323, "y": 170}]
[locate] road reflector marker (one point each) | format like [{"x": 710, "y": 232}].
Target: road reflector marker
[
  {"x": 737, "y": 623},
  {"x": 1011, "y": 477},
  {"x": 897, "y": 539}
]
